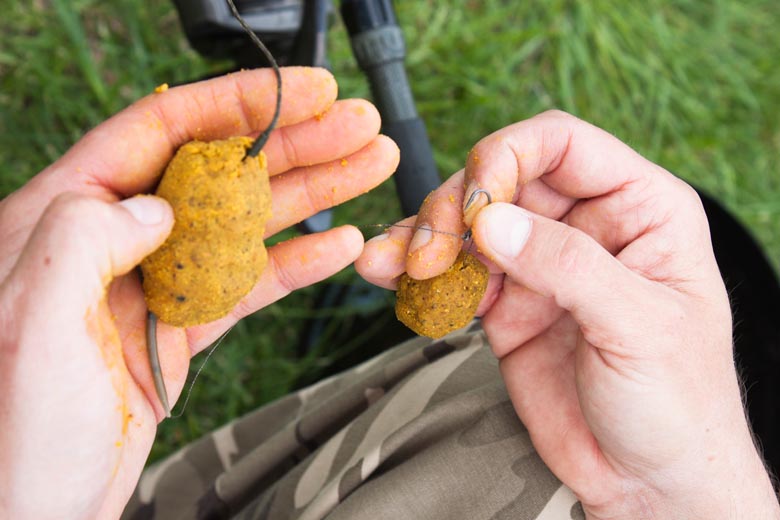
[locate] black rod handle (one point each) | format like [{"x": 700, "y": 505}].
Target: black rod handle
[{"x": 378, "y": 45}]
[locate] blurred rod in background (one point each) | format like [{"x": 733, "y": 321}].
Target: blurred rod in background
[{"x": 378, "y": 45}]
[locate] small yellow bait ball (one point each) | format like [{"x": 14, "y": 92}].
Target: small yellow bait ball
[{"x": 439, "y": 305}]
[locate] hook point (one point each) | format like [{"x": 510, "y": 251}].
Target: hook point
[{"x": 473, "y": 197}]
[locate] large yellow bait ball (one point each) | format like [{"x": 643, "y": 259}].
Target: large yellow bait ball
[
  {"x": 439, "y": 305},
  {"x": 221, "y": 201}
]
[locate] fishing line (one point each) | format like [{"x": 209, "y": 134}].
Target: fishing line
[
  {"x": 263, "y": 137},
  {"x": 197, "y": 373},
  {"x": 463, "y": 236},
  {"x": 222, "y": 337},
  {"x": 254, "y": 150}
]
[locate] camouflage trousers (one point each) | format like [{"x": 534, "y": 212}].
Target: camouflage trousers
[{"x": 425, "y": 430}]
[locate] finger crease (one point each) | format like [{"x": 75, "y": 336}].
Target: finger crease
[
  {"x": 173, "y": 133},
  {"x": 283, "y": 276},
  {"x": 288, "y": 147},
  {"x": 247, "y": 114},
  {"x": 311, "y": 192}
]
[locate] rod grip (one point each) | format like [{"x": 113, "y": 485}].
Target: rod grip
[{"x": 416, "y": 175}]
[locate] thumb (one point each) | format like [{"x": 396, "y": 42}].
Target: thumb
[
  {"x": 81, "y": 243},
  {"x": 560, "y": 261}
]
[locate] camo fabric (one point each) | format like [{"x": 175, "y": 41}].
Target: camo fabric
[{"x": 425, "y": 430}]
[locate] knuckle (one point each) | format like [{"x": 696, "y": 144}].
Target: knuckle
[
  {"x": 284, "y": 274},
  {"x": 244, "y": 308},
  {"x": 245, "y": 109},
  {"x": 288, "y": 147},
  {"x": 478, "y": 150},
  {"x": 70, "y": 209},
  {"x": 316, "y": 195},
  {"x": 556, "y": 113},
  {"x": 576, "y": 254},
  {"x": 77, "y": 221},
  {"x": 689, "y": 206},
  {"x": 687, "y": 193}
]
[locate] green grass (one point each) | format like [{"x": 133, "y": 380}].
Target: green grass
[{"x": 694, "y": 86}]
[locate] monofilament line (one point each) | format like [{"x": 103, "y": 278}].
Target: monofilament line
[
  {"x": 254, "y": 150},
  {"x": 197, "y": 373},
  {"x": 464, "y": 236}
]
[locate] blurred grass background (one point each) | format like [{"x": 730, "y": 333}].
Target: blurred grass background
[{"x": 694, "y": 86}]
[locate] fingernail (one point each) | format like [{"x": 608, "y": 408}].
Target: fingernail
[
  {"x": 472, "y": 204},
  {"x": 149, "y": 211},
  {"x": 471, "y": 188},
  {"x": 507, "y": 230},
  {"x": 421, "y": 237},
  {"x": 379, "y": 238}
]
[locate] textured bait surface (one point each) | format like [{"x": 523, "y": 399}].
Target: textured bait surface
[
  {"x": 215, "y": 253},
  {"x": 439, "y": 305}
]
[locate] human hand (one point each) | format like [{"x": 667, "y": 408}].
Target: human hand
[
  {"x": 77, "y": 402},
  {"x": 608, "y": 314}
]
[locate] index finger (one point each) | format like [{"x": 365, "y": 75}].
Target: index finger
[
  {"x": 575, "y": 159},
  {"x": 545, "y": 164},
  {"x": 126, "y": 153}
]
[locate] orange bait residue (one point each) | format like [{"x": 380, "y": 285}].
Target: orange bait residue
[
  {"x": 102, "y": 329},
  {"x": 344, "y": 162},
  {"x": 159, "y": 89}
]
